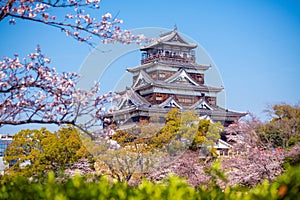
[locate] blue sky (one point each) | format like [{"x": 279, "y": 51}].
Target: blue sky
[{"x": 255, "y": 44}]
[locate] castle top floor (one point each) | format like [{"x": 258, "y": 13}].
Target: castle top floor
[{"x": 170, "y": 47}]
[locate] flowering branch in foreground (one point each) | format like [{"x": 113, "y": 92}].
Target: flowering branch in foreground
[
  {"x": 32, "y": 92},
  {"x": 77, "y": 24}
]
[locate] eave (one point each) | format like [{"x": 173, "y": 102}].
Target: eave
[{"x": 187, "y": 66}]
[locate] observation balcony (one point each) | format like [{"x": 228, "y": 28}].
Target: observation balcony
[{"x": 168, "y": 57}]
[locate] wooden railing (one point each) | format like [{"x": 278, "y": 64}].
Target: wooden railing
[{"x": 177, "y": 59}]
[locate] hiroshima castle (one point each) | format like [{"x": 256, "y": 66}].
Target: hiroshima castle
[{"x": 169, "y": 77}]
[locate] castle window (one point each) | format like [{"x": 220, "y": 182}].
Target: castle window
[
  {"x": 153, "y": 75},
  {"x": 212, "y": 101},
  {"x": 159, "y": 97},
  {"x": 185, "y": 100},
  {"x": 199, "y": 78},
  {"x": 162, "y": 75}
]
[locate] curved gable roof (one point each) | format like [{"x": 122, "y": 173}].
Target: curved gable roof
[
  {"x": 170, "y": 103},
  {"x": 201, "y": 104},
  {"x": 181, "y": 74},
  {"x": 170, "y": 38},
  {"x": 142, "y": 79},
  {"x": 133, "y": 99}
]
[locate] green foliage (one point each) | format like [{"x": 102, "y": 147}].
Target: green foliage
[
  {"x": 269, "y": 133},
  {"x": 124, "y": 138},
  {"x": 133, "y": 157},
  {"x": 184, "y": 130},
  {"x": 142, "y": 147},
  {"x": 285, "y": 187},
  {"x": 284, "y": 127},
  {"x": 207, "y": 134},
  {"x": 288, "y": 185},
  {"x": 170, "y": 130},
  {"x": 293, "y": 157},
  {"x": 34, "y": 152},
  {"x": 213, "y": 133},
  {"x": 200, "y": 134},
  {"x": 216, "y": 174},
  {"x": 188, "y": 126}
]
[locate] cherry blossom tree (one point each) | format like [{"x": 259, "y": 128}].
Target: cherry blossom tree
[
  {"x": 32, "y": 92},
  {"x": 243, "y": 133},
  {"x": 75, "y": 21},
  {"x": 251, "y": 168}
]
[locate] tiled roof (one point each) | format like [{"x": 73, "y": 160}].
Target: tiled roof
[
  {"x": 141, "y": 103},
  {"x": 201, "y": 104},
  {"x": 181, "y": 73},
  {"x": 189, "y": 84},
  {"x": 134, "y": 98},
  {"x": 170, "y": 102},
  {"x": 143, "y": 76},
  {"x": 193, "y": 66},
  {"x": 170, "y": 38},
  {"x": 187, "y": 87}
]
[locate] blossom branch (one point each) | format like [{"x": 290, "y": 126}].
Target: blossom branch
[
  {"x": 78, "y": 25},
  {"x": 32, "y": 92}
]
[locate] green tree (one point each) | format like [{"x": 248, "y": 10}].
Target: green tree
[
  {"x": 207, "y": 134},
  {"x": 213, "y": 133},
  {"x": 284, "y": 127},
  {"x": 269, "y": 134},
  {"x": 141, "y": 148},
  {"x": 188, "y": 126},
  {"x": 169, "y": 131},
  {"x": 34, "y": 152},
  {"x": 200, "y": 134},
  {"x": 287, "y": 119},
  {"x": 184, "y": 130},
  {"x": 128, "y": 154}
]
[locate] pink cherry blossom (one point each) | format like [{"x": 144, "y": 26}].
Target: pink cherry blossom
[
  {"x": 76, "y": 24},
  {"x": 35, "y": 93}
]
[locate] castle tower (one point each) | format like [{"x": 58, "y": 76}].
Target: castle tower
[{"x": 169, "y": 77}]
